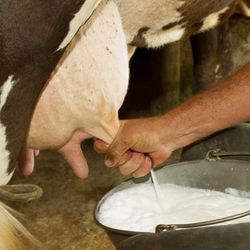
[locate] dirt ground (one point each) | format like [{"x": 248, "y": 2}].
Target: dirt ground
[{"x": 63, "y": 218}]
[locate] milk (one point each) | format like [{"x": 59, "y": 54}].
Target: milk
[
  {"x": 137, "y": 208},
  {"x": 158, "y": 192}
]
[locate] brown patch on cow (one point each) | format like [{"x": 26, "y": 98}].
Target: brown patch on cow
[
  {"x": 194, "y": 11},
  {"x": 228, "y": 13},
  {"x": 191, "y": 17},
  {"x": 170, "y": 26},
  {"x": 191, "y": 30},
  {"x": 139, "y": 40}
]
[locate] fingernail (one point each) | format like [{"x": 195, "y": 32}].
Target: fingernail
[{"x": 139, "y": 175}]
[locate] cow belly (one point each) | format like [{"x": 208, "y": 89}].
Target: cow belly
[{"x": 88, "y": 86}]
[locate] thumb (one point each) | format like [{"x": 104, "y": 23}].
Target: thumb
[
  {"x": 115, "y": 151},
  {"x": 73, "y": 154}
]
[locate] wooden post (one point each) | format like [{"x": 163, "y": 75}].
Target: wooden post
[
  {"x": 212, "y": 57},
  {"x": 166, "y": 74}
]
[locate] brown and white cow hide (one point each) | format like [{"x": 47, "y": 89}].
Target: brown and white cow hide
[
  {"x": 88, "y": 86},
  {"x": 33, "y": 37},
  {"x": 153, "y": 23}
]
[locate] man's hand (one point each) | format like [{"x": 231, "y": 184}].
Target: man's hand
[
  {"x": 203, "y": 114},
  {"x": 137, "y": 147}
]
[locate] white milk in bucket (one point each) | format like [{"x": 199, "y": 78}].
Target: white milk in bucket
[{"x": 136, "y": 208}]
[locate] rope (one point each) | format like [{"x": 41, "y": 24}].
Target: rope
[{"x": 20, "y": 192}]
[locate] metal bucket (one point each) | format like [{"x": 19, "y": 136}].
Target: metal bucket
[{"x": 214, "y": 173}]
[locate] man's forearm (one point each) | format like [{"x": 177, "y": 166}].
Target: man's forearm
[{"x": 223, "y": 106}]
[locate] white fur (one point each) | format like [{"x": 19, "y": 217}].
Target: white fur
[
  {"x": 5, "y": 90},
  {"x": 79, "y": 19},
  {"x": 4, "y": 153},
  {"x": 169, "y": 36},
  {"x": 212, "y": 20},
  {"x": 4, "y": 156}
]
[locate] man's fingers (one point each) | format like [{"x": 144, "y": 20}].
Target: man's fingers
[
  {"x": 115, "y": 152},
  {"x": 144, "y": 168},
  {"x": 27, "y": 161},
  {"x": 75, "y": 158},
  {"x": 132, "y": 164},
  {"x": 158, "y": 157}
]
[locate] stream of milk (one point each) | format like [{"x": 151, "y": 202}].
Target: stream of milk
[
  {"x": 158, "y": 192},
  {"x": 137, "y": 209}
]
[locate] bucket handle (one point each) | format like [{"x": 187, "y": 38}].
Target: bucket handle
[
  {"x": 172, "y": 227},
  {"x": 212, "y": 155},
  {"x": 216, "y": 154}
]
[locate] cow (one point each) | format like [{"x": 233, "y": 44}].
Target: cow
[{"x": 44, "y": 42}]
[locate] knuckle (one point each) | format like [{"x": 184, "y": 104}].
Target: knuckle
[{"x": 137, "y": 158}]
